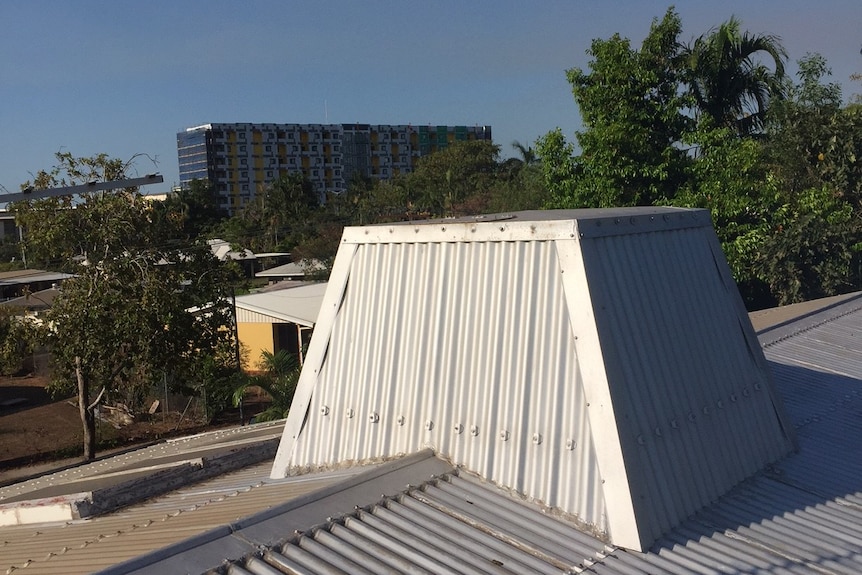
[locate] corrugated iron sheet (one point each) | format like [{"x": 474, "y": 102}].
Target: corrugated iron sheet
[
  {"x": 693, "y": 405},
  {"x": 469, "y": 345},
  {"x": 85, "y": 546},
  {"x": 497, "y": 391},
  {"x": 801, "y": 515}
]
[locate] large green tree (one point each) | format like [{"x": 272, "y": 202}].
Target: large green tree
[
  {"x": 729, "y": 82},
  {"x": 632, "y": 108},
  {"x": 812, "y": 150},
  {"x": 126, "y": 320},
  {"x": 445, "y": 180}
]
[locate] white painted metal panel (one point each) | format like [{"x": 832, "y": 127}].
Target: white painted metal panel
[
  {"x": 599, "y": 362},
  {"x": 466, "y": 348},
  {"x": 693, "y": 408}
]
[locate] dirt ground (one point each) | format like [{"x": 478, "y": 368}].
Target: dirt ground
[{"x": 34, "y": 428}]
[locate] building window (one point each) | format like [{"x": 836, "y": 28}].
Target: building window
[
  {"x": 242, "y": 135},
  {"x": 268, "y": 148},
  {"x": 243, "y": 175},
  {"x": 269, "y": 173},
  {"x": 242, "y": 148},
  {"x": 243, "y": 162},
  {"x": 245, "y": 187}
]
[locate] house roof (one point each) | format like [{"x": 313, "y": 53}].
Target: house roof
[
  {"x": 802, "y": 514},
  {"x": 84, "y": 545},
  {"x": 299, "y": 304},
  {"x": 222, "y": 250},
  {"x": 583, "y": 358},
  {"x": 290, "y": 269},
  {"x": 38, "y": 300},
  {"x": 22, "y": 277}
]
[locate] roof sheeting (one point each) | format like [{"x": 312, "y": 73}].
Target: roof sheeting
[
  {"x": 567, "y": 356},
  {"x": 300, "y": 305},
  {"x": 802, "y": 515}
]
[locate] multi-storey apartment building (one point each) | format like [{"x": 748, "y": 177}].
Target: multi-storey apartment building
[{"x": 239, "y": 159}]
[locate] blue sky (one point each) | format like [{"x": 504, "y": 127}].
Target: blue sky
[{"x": 123, "y": 77}]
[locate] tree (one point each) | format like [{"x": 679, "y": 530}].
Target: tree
[
  {"x": 731, "y": 179},
  {"x": 17, "y": 337},
  {"x": 813, "y": 149},
  {"x": 631, "y": 103},
  {"x": 125, "y": 320},
  {"x": 198, "y": 206},
  {"x": 280, "y": 374},
  {"x": 451, "y": 176},
  {"x": 727, "y": 81},
  {"x": 277, "y": 218}
]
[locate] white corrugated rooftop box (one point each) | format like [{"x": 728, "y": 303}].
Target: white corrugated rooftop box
[{"x": 599, "y": 362}]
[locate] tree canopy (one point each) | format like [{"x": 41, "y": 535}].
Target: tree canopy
[
  {"x": 717, "y": 124},
  {"x": 127, "y": 318}
]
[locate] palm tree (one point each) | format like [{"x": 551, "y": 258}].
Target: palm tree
[
  {"x": 279, "y": 378},
  {"x": 729, "y": 84}
]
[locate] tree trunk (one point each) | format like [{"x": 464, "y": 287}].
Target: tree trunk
[{"x": 88, "y": 418}]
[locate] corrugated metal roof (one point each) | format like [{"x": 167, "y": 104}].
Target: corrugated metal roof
[
  {"x": 801, "y": 515},
  {"x": 586, "y": 359},
  {"x": 21, "y": 277},
  {"x": 300, "y": 305},
  {"x": 85, "y": 546}
]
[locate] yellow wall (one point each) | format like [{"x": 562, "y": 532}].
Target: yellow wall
[{"x": 256, "y": 338}]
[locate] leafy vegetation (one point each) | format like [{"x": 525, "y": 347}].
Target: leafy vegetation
[
  {"x": 279, "y": 374},
  {"x": 717, "y": 124},
  {"x": 125, "y": 321}
]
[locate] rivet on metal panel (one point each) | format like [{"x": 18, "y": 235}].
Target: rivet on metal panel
[
  {"x": 502, "y": 229},
  {"x": 641, "y": 440},
  {"x": 658, "y": 431},
  {"x": 416, "y": 230},
  {"x": 617, "y": 221},
  {"x": 504, "y": 435},
  {"x": 459, "y": 428},
  {"x": 537, "y": 438},
  {"x": 665, "y": 217},
  {"x": 571, "y": 444},
  {"x": 443, "y": 229},
  {"x": 757, "y": 387},
  {"x": 429, "y": 425},
  {"x": 324, "y": 410},
  {"x": 349, "y": 413},
  {"x": 746, "y": 392},
  {"x": 473, "y": 228},
  {"x": 691, "y": 416},
  {"x": 474, "y": 430},
  {"x": 720, "y": 404},
  {"x": 400, "y": 420},
  {"x": 705, "y": 410},
  {"x": 373, "y": 417},
  {"x": 391, "y": 231},
  {"x": 632, "y": 221},
  {"x": 733, "y": 397},
  {"x": 652, "y": 218}
]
